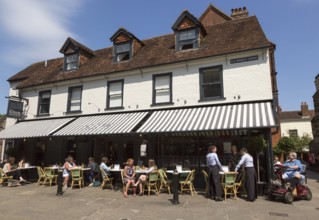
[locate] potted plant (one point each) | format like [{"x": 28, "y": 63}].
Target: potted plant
[{"x": 256, "y": 145}]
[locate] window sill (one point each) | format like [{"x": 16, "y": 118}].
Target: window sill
[
  {"x": 162, "y": 104},
  {"x": 212, "y": 99},
  {"x": 73, "y": 112},
  {"x": 42, "y": 115},
  {"x": 113, "y": 108}
]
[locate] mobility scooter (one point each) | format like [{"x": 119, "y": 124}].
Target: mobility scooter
[{"x": 280, "y": 188}]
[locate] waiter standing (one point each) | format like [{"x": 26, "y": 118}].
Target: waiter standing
[
  {"x": 250, "y": 183},
  {"x": 215, "y": 189}
]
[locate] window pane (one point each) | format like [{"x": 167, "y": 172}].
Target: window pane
[
  {"x": 115, "y": 101},
  {"x": 212, "y": 90},
  {"x": 123, "y": 56},
  {"x": 187, "y": 35},
  {"x": 72, "y": 58},
  {"x": 122, "y": 48},
  {"x": 76, "y": 94},
  {"x": 115, "y": 88},
  {"x": 44, "y": 109},
  {"x": 75, "y": 99},
  {"x": 75, "y": 106},
  {"x": 210, "y": 76},
  {"x": 45, "y": 95},
  {"x": 162, "y": 96},
  {"x": 162, "y": 82}
]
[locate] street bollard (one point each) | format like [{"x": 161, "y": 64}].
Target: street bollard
[
  {"x": 175, "y": 200},
  {"x": 60, "y": 178}
]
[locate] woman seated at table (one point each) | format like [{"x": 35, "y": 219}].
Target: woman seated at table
[
  {"x": 22, "y": 162},
  {"x": 129, "y": 175},
  {"x": 143, "y": 177},
  {"x": 8, "y": 169},
  {"x": 69, "y": 164}
]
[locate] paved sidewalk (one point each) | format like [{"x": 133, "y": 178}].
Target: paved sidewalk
[{"x": 37, "y": 202}]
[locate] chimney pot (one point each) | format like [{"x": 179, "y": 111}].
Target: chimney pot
[
  {"x": 304, "y": 110},
  {"x": 239, "y": 13}
]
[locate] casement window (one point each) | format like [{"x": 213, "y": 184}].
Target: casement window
[
  {"x": 122, "y": 51},
  {"x": 162, "y": 88},
  {"x": 293, "y": 133},
  {"x": 115, "y": 94},
  {"x": 75, "y": 99},
  {"x": 71, "y": 62},
  {"x": 44, "y": 102},
  {"x": 211, "y": 83},
  {"x": 187, "y": 39}
]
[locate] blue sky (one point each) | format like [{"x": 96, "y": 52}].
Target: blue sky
[{"x": 35, "y": 30}]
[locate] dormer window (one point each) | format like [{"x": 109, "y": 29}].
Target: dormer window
[
  {"x": 122, "y": 51},
  {"x": 188, "y": 39},
  {"x": 72, "y": 62},
  {"x": 189, "y": 32}
]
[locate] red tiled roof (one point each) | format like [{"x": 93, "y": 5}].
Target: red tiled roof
[
  {"x": 294, "y": 115},
  {"x": 229, "y": 37}
]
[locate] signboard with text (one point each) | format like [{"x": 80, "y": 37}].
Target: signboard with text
[{"x": 15, "y": 109}]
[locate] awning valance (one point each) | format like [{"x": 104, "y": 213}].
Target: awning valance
[
  {"x": 102, "y": 124},
  {"x": 224, "y": 117},
  {"x": 30, "y": 129}
]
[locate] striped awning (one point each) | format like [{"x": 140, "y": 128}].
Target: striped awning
[
  {"x": 30, "y": 129},
  {"x": 225, "y": 117},
  {"x": 102, "y": 124}
]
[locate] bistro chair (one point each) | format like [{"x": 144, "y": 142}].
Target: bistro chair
[
  {"x": 106, "y": 179},
  {"x": 164, "y": 182},
  {"x": 239, "y": 184},
  {"x": 187, "y": 184},
  {"x": 41, "y": 175},
  {"x": 228, "y": 184},
  {"x": 77, "y": 177},
  {"x": 206, "y": 181},
  {"x": 50, "y": 176},
  {"x": 4, "y": 179},
  {"x": 152, "y": 183}
]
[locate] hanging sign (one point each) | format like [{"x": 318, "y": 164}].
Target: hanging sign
[{"x": 15, "y": 109}]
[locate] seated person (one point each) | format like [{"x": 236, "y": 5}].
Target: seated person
[
  {"x": 22, "y": 162},
  {"x": 94, "y": 170},
  {"x": 276, "y": 161},
  {"x": 69, "y": 164},
  {"x": 103, "y": 166},
  {"x": 129, "y": 176},
  {"x": 143, "y": 177},
  {"x": 292, "y": 174},
  {"x": 8, "y": 169}
]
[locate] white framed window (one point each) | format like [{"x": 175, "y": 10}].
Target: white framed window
[
  {"x": 72, "y": 61},
  {"x": 44, "y": 102},
  {"x": 188, "y": 39},
  {"x": 75, "y": 99},
  {"x": 122, "y": 51},
  {"x": 162, "y": 88},
  {"x": 115, "y": 94},
  {"x": 211, "y": 83}
]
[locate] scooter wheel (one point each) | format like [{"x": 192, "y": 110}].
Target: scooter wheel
[
  {"x": 289, "y": 197},
  {"x": 308, "y": 195}
]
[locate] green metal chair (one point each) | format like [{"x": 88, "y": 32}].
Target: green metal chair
[
  {"x": 77, "y": 177},
  {"x": 106, "y": 179},
  {"x": 164, "y": 182},
  {"x": 187, "y": 184},
  {"x": 50, "y": 176},
  {"x": 41, "y": 175},
  {"x": 229, "y": 179},
  {"x": 152, "y": 182},
  {"x": 4, "y": 178}
]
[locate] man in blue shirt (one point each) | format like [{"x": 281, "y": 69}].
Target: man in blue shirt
[
  {"x": 214, "y": 166},
  {"x": 292, "y": 174}
]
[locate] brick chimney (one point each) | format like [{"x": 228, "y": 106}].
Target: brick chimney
[
  {"x": 304, "y": 110},
  {"x": 238, "y": 13}
]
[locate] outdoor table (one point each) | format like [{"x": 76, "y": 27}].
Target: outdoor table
[
  {"x": 29, "y": 173},
  {"x": 117, "y": 177}
]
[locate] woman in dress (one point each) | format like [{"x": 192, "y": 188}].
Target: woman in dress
[
  {"x": 143, "y": 177},
  {"x": 250, "y": 184},
  {"x": 69, "y": 164},
  {"x": 129, "y": 176}
]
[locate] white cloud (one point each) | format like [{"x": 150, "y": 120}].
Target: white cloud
[{"x": 36, "y": 29}]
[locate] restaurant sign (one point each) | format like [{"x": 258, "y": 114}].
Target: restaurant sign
[{"x": 15, "y": 109}]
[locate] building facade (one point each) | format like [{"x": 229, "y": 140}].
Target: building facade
[
  {"x": 2, "y": 126},
  {"x": 314, "y": 146},
  {"x": 297, "y": 123},
  {"x": 212, "y": 80}
]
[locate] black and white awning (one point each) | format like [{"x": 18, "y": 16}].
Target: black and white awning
[
  {"x": 225, "y": 117},
  {"x": 32, "y": 129},
  {"x": 122, "y": 123}
]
